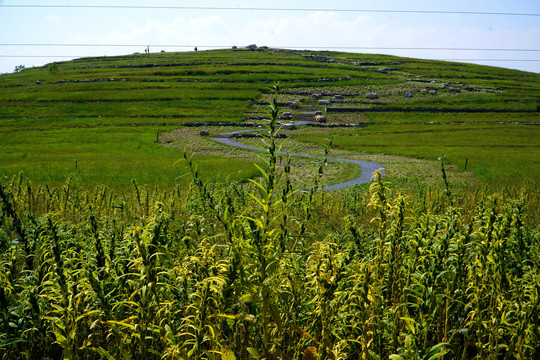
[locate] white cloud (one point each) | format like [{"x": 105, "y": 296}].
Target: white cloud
[
  {"x": 314, "y": 29},
  {"x": 318, "y": 29},
  {"x": 209, "y": 30}
]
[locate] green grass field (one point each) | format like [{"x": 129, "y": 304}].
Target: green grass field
[
  {"x": 499, "y": 149},
  {"x": 105, "y": 113},
  {"x": 125, "y": 234}
]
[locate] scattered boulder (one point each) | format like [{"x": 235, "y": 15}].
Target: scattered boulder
[
  {"x": 204, "y": 133},
  {"x": 408, "y": 94},
  {"x": 372, "y": 96},
  {"x": 432, "y": 92},
  {"x": 318, "y": 113},
  {"x": 338, "y": 97},
  {"x": 468, "y": 88},
  {"x": 325, "y": 102},
  {"x": 286, "y": 116},
  {"x": 429, "y": 87},
  {"x": 234, "y": 47},
  {"x": 454, "y": 90},
  {"x": 365, "y": 63},
  {"x": 290, "y": 104},
  {"x": 316, "y": 95},
  {"x": 320, "y": 119},
  {"x": 252, "y": 47},
  {"x": 289, "y": 126},
  {"x": 38, "y": 82}
]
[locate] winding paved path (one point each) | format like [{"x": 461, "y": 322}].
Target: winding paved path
[{"x": 367, "y": 167}]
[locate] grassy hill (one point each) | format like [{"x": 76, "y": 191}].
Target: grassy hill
[
  {"x": 123, "y": 260},
  {"x": 100, "y": 119}
]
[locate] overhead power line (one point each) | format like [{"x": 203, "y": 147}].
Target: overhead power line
[
  {"x": 91, "y": 56},
  {"x": 72, "y": 45},
  {"x": 279, "y": 47},
  {"x": 502, "y": 60},
  {"x": 43, "y": 56},
  {"x": 148, "y": 7}
]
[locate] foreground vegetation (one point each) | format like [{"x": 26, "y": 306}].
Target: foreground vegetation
[
  {"x": 140, "y": 256},
  {"x": 263, "y": 271},
  {"x": 220, "y": 274}
]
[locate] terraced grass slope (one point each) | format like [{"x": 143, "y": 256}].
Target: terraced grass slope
[{"x": 100, "y": 119}]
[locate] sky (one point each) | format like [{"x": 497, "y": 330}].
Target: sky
[{"x": 377, "y": 26}]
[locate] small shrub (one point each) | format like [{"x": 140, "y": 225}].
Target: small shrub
[{"x": 19, "y": 68}]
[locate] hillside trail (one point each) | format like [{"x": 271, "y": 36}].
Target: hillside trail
[{"x": 367, "y": 168}]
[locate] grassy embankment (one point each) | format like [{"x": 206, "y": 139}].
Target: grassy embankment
[{"x": 103, "y": 115}]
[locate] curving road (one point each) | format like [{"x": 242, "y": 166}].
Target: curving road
[{"x": 367, "y": 167}]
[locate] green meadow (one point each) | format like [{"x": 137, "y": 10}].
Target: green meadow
[
  {"x": 498, "y": 148},
  {"x": 106, "y": 114},
  {"x": 102, "y": 156},
  {"x": 127, "y": 234}
]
